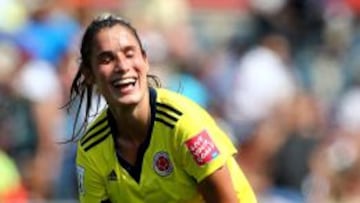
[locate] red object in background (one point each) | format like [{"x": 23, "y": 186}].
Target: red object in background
[
  {"x": 104, "y": 4},
  {"x": 219, "y": 5},
  {"x": 354, "y": 5},
  {"x": 15, "y": 195},
  {"x": 194, "y": 4}
]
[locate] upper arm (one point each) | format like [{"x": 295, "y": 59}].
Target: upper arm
[
  {"x": 204, "y": 147},
  {"x": 206, "y": 151},
  {"x": 218, "y": 187}
]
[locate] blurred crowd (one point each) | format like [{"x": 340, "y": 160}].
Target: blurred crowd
[{"x": 281, "y": 77}]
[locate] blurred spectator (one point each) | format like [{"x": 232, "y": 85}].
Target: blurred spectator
[
  {"x": 264, "y": 81},
  {"x": 305, "y": 130},
  {"x": 35, "y": 96},
  {"x": 13, "y": 128},
  {"x": 348, "y": 111},
  {"x": 15, "y": 14},
  {"x": 38, "y": 83},
  {"x": 47, "y": 33},
  {"x": 333, "y": 173},
  {"x": 256, "y": 154}
]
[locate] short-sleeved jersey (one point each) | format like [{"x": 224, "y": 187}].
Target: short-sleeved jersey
[{"x": 183, "y": 146}]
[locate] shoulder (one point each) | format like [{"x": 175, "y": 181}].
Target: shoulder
[
  {"x": 98, "y": 131},
  {"x": 176, "y": 110},
  {"x": 177, "y": 102},
  {"x": 95, "y": 151}
]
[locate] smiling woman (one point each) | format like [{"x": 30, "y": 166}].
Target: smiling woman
[
  {"x": 149, "y": 144},
  {"x": 100, "y": 55},
  {"x": 119, "y": 67}
]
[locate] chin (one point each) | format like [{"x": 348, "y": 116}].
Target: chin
[{"x": 129, "y": 99}]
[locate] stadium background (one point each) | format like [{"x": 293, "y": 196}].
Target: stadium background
[{"x": 282, "y": 77}]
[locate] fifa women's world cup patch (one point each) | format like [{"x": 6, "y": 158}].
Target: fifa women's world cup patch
[
  {"x": 162, "y": 164},
  {"x": 80, "y": 171},
  {"x": 202, "y": 148}
]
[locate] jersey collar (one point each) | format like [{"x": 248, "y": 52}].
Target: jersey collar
[{"x": 135, "y": 170}]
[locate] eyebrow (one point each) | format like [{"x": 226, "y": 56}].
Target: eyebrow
[
  {"x": 122, "y": 49},
  {"x": 128, "y": 47},
  {"x": 104, "y": 53}
]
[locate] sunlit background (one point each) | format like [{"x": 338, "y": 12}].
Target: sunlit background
[{"x": 281, "y": 77}]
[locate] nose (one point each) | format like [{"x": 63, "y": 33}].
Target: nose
[{"x": 121, "y": 65}]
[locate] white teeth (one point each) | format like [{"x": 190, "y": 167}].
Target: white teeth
[{"x": 124, "y": 81}]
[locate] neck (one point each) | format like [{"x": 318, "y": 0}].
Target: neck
[{"x": 132, "y": 123}]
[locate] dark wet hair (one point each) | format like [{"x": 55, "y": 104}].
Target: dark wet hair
[{"x": 82, "y": 91}]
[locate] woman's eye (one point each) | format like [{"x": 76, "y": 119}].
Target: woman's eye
[
  {"x": 129, "y": 53},
  {"x": 106, "y": 58}
]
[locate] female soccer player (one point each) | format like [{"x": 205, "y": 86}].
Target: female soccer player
[{"x": 149, "y": 144}]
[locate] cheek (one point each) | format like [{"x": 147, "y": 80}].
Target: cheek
[
  {"x": 100, "y": 75},
  {"x": 141, "y": 67},
  {"x": 103, "y": 71},
  {"x": 146, "y": 69}
]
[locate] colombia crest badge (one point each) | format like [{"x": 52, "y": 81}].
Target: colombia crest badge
[{"x": 162, "y": 164}]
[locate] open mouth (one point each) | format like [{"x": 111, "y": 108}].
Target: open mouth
[{"x": 123, "y": 82}]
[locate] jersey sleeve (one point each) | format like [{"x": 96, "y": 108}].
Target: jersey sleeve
[
  {"x": 91, "y": 187},
  {"x": 204, "y": 147}
]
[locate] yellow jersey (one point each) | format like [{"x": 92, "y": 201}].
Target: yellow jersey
[{"x": 184, "y": 145}]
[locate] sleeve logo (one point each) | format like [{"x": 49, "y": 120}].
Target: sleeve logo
[
  {"x": 202, "y": 148},
  {"x": 80, "y": 171}
]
